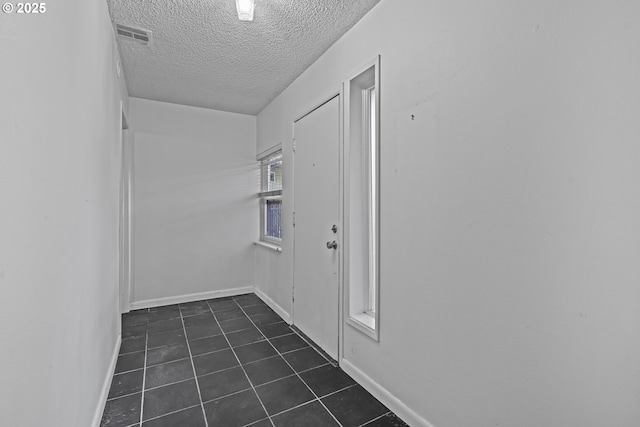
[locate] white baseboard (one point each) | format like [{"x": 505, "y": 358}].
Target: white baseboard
[
  {"x": 383, "y": 395},
  {"x": 106, "y": 384},
  {"x": 274, "y": 306},
  {"x": 191, "y": 297}
]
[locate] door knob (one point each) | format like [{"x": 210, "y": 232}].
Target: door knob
[{"x": 332, "y": 244}]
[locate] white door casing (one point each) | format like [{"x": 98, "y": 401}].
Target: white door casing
[{"x": 125, "y": 215}]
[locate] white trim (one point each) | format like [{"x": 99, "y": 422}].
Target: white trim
[
  {"x": 364, "y": 323},
  {"x": 106, "y": 384},
  {"x": 315, "y": 107},
  {"x": 383, "y": 395},
  {"x": 268, "y": 152},
  {"x": 268, "y": 245},
  {"x": 274, "y": 306},
  {"x": 125, "y": 219},
  {"x": 178, "y": 299},
  {"x": 341, "y": 224}
]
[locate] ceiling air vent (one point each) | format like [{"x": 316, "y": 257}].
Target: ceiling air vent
[{"x": 134, "y": 34}]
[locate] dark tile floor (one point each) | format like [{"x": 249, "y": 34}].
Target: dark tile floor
[{"x": 229, "y": 362}]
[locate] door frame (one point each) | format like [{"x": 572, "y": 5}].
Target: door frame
[
  {"x": 125, "y": 222},
  {"x": 341, "y": 192}
]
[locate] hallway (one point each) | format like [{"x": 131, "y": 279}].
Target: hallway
[{"x": 252, "y": 369}]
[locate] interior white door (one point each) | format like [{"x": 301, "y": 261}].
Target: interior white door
[{"x": 316, "y": 200}]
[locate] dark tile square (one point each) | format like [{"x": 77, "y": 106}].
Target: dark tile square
[
  {"x": 133, "y": 318},
  {"x": 288, "y": 343},
  {"x": 127, "y": 383},
  {"x": 253, "y": 310},
  {"x": 166, "y": 338},
  {"x": 134, "y": 331},
  {"x": 192, "y": 417},
  {"x": 168, "y": 373},
  {"x": 163, "y": 313},
  {"x": 305, "y": 358},
  {"x": 310, "y": 415},
  {"x": 208, "y": 345},
  {"x": 129, "y": 362},
  {"x": 200, "y": 319},
  {"x": 246, "y": 336},
  {"x": 219, "y": 384},
  {"x": 273, "y": 330},
  {"x": 131, "y": 345},
  {"x": 202, "y": 331},
  {"x": 235, "y": 313},
  {"x": 248, "y": 299},
  {"x": 256, "y": 351},
  {"x": 236, "y": 325},
  {"x": 167, "y": 353},
  {"x": 122, "y": 412},
  {"x": 193, "y": 308},
  {"x": 354, "y": 406},
  {"x": 221, "y": 304},
  {"x": 170, "y": 398},
  {"x": 284, "y": 394},
  {"x": 213, "y": 362},
  {"x": 389, "y": 420},
  {"x": 165, "y": 325},
  {"x": 234, "y": 411},
  {"x": 267, "y": 370},
  {"x": 266, "y": 318},
  {"x": 326, "y": 379}
]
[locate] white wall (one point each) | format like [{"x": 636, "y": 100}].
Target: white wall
[
  {"x": 195, "y": 202},
  {"x": 510, "y": 209},
  {"x": 59, "y": 185}
]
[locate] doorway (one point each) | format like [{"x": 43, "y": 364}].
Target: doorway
[{"x": 316, "y": 225}]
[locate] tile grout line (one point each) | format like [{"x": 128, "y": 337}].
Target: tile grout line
[
  {"x": 239, "y": 363},
  {"x": 266, "y": 383},
  {"x": 252, "y": 386},
  {"x": 173, "y": 412},
  {"x": 317, "y": 399},
  {"x": 217, "y": 372},
  {"x": 296, "y": 373},
  {"x": 316, "y": 347},
  {"x": 193, "y": 367},
  {"x": 144, "y": 370},
  {"x": 375, "y": 419}
]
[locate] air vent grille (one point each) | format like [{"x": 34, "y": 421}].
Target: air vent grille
[{"x": 134, "y": 34}]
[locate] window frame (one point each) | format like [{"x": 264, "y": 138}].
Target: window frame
[
  {"x": 265, "y": 195},
  {"x": 362, "y": 199},
  {"x": 369, "y": 124}
]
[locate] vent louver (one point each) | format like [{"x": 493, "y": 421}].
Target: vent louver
[{"x": 134, "y": 34}]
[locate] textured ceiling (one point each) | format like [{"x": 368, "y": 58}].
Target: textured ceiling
[{"x": 203, "y": 55}]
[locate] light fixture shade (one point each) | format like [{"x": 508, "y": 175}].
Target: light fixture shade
[{"x": 245, "y": 9}]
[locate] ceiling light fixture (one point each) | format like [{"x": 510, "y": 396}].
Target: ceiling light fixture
[{"x": 245, "y": 9}]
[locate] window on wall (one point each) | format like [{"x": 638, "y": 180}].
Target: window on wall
[
  {"x": 362, "y": 202},
  {"x": 271, "y": 198}
]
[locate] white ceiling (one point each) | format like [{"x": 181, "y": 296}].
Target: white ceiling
[{"x": 203, "y": 55}]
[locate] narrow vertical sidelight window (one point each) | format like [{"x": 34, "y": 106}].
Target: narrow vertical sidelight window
[
  {"x": 362, "y": 199},
  {"x": 372, "y": 192}
]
